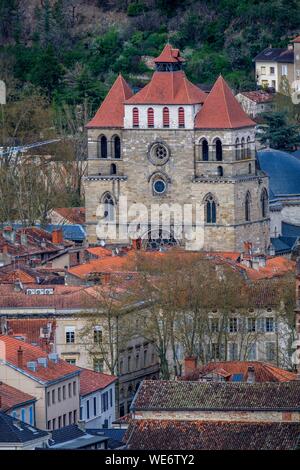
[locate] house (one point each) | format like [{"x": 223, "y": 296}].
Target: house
[
  {"x": 67, "y": 215},
  {"x": 18, "y": 404},
  {"x": 171, "y": 415},
  {"x": 74, "y": 437},
  {"x": 255, "y": 102},
  {"x": 52, "y": 381},
  {"x": 18, "y": 435},
  {"x": 97, "y": 399},
  {"x": 236, "y": 371},
  {"x": 272, "y": 65},
  {"x": 29, "y": 245}
]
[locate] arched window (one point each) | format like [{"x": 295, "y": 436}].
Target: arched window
[
  {"x": 113, "y": 169},
  {"x": 109, "y": 207},
  {"x": 117, "y": 147},
  {"x": 204, "y": 150},
  {"x": 135, "y": 117},
  {"x": 150, "y": 114},
  {"x": 264, "y": 202},
  {"x": 218, "y": 150},
  {"x": 248, "y": 207},
  {"x": 220, "y": 171},
  {"x": 243, "y": 148},
  {"x": 181, "y": 121},
  {"x": 166, "y": 117},
  {"x": 237, "y": 149},
  {"x": 102, "y": 147},
  {"x": 210, "y": 209},
  {"x": 248, "y": 148}
]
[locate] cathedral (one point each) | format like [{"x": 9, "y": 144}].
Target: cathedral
[{"x": 172, "y": 143}]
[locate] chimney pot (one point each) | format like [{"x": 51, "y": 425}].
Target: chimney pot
[
  {"x": 20, "y": 358},
  {"x": 190, "y": 365}
]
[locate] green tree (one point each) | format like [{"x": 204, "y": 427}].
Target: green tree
[{"x": 280, "y": 134}]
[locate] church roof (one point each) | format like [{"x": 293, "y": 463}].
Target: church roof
[
  {"x": 111, "y": 111},
  {"x": 221, "y": 110},
  {"x": 283, "y": 170},
  {"x": 169, "y": 55},
  {"x": 168, "y": 88}
]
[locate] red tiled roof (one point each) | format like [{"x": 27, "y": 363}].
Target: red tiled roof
[
  {"x": 53, "y": 371},
  {"x": 64, "y": 297},
  {"x": 74, "y": 215},
  {"x": 99, "y": 251},
  {"x": 264, "y": 372},
  {"x": 168, "y": 88},
  {"x": 11, "y": 397},
  {"x": 30, "y": 329},
  {"x": 297, "y": 39},
  {"x": 108, "y": 264},
  {"x": 111, "y": 111},
  {"x": 91, "y": 381},
  {"x": 169, "y": 55},
  {"x": 153, "y": 434},
  {"x": 258, "y": 96},
  {"x": 221, "y": 110}
]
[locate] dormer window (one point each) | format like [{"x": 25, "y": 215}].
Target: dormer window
[
  {"x": 181, "y": 121},
  {"x": 135, "y": 117},
  {"x": 150, "y": 115}
]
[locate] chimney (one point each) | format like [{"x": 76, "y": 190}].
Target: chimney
[
  {"x": 9, "y": 234},
  {"x": 57, "y": 236},
  {"x": 24, "y": 239},
  {"x": 251, "y": 375},
  {"x": 190, "y": 365},
  {"x": 81, "y": 425},
  {"x": 20, "y": 357}
]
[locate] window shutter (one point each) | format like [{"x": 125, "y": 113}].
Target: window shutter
[
  {"x": 135, "y": 117},
  {"x": 181, "y": 122},
  {"x": 150, "y": 117},
  {"x": 166, "y": 117},
  {"x": 241, "y": 325},
  {"x": 261, "y": 325}
]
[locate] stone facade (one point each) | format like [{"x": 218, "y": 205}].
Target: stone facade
[{"x": 189, "y": 179}]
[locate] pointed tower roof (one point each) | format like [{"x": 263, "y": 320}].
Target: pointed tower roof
[
  {"x": 111, "y": 111},
  {"x": 169, "y": 55},
  {"x": 221, "y": 110}
]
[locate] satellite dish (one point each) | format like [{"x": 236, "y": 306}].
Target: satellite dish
[{"x": 102, "y": 243}]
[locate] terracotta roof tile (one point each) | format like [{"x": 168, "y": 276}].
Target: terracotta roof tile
[
  {"x": 153, "y": 434},
  {"x": 53, "y": 371},
  {"x": 91, "y": 381},
  {"x": 221, "y": 110},
  {"x": 185, "y": 395},
  {"x": 74, "y": 215},
  {"x": 264, "y": 372},
  {"x": 169, "y": 88},
  {"x": 258, "y": 96},
  {"x": 169, "y": 54},
  {"x": 111, "y": 111},
  {"x": 12, "y": 397}
]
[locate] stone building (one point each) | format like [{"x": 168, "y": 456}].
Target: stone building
[{"x": 171, "y": 143}]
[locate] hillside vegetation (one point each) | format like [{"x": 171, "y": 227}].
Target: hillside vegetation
[{"x": 59, "y": 57}]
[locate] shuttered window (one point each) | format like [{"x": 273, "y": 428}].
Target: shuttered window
[
  {"x": 135, "y": 117},
  {"x": 150, "y": 117},
  {"x": 181, "y": 117},
  {"x": 166, "y": 117}
]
